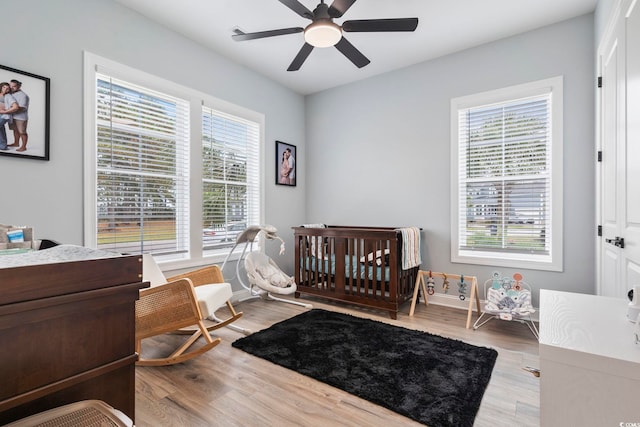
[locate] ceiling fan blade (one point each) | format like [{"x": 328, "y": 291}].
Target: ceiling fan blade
[
  {"x": 239, "y": 36},
  {"x": 298, "y": 8},
  {"x": 374, "y": 25},
  {"x": 340, "y": 7},
  {"x": 300, "y": 57},
  {"x": 353, "y": 54}
]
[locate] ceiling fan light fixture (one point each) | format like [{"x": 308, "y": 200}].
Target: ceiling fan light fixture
[{"x": 322, "y": 34}]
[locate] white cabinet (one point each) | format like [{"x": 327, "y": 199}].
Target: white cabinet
[{"x": 589, "y": 362}]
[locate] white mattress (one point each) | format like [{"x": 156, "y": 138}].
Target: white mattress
[{"x": 60, "y": 253}]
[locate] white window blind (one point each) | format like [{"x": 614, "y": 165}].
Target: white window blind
[
  {"x": 230, "y": 171},
  {"x": 142, "y": 169},
  {"x": 504, "y": 188},
  {"x": 505, "y": 176}
]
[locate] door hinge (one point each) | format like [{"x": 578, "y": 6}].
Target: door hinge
[
  {"x": 600, "y": 231},
  {"x": 600, "y": 155},
  {"x": 599, "y": 81}
]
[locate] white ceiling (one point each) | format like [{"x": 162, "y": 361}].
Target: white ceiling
[{"x": 445, "y": 26}]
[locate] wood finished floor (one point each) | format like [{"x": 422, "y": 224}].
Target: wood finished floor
[{"x": 227, "y": 387}]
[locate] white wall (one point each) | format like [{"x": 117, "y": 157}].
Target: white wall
[
  {"x": 378, "y": 150},
  {"x": 393, "y": 127},
  {"x": 49, "y": 38}
]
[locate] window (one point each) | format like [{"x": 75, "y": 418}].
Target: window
[
  {"x": 170, "y": 171},
  {"x": 229, "y": 177},
  {"x": 507, "y": 177},
  {"x": 142, "y": 172}
]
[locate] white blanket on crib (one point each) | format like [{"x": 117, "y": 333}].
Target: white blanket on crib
[
  {"x": 410, "y": 247},
  {"x": 314, "y": 239}
]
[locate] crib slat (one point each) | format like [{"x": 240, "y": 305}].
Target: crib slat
[{"x": 339, "y": 277}]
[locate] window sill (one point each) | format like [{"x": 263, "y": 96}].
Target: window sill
[
  {"x": 514, "y": 261},
  {"x": 194, "y": 263}
]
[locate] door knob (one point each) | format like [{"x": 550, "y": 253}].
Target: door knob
[{"x": 618, "y": 241}]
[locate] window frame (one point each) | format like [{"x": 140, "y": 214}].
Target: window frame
[
  {"x": 196, "y": 255},
  {"x": 554, "y": 260}
]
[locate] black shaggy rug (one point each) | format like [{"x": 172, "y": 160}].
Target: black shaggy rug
[{"x": 433, "y": 380}]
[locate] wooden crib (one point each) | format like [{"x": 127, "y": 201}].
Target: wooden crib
[{"x": 358, "y": 265}]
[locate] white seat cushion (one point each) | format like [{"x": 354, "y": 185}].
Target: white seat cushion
[{"x": 212, "y": 297}]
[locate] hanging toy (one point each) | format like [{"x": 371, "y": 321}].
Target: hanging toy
[
  {"x": 431, "y": 284},
  {"x": 506, "y": 283},
  {"x": 516, "y": 285},
  {"x": 495, "y": 284},
  {"x": 462, "y": 288},
  {"x": 445, "y": 284}
]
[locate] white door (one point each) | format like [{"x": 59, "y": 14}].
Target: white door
[
  {"x": 631, "y": 213},
  {"x": 619, "y": 175},
  {"x": 609, "y": 58}
]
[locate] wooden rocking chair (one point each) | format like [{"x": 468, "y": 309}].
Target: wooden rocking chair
[
  {"x": 212, "y": 292},
  {"x": 167, "y": 308},
  {"x": 208, "y": 290}
]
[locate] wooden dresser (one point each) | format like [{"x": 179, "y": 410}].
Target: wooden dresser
[{"x": 67, "y": 334}]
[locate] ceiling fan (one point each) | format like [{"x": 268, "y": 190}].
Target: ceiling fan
[{"x": 323, "y": 32}]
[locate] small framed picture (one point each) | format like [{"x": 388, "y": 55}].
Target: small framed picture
[
  {"x": 286, "y": 166},
  {"x": 24, "y": 114}
]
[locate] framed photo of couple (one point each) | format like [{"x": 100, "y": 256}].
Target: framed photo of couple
[
  {"x": 286, "y": 166},
  {"x": 24, "y": 132}
]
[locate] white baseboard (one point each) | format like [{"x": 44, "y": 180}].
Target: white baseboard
[
  {"x": 446, "y": 300},
  {"x": 450, "y": 301},
  {"x": 240, "y": 295}
]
